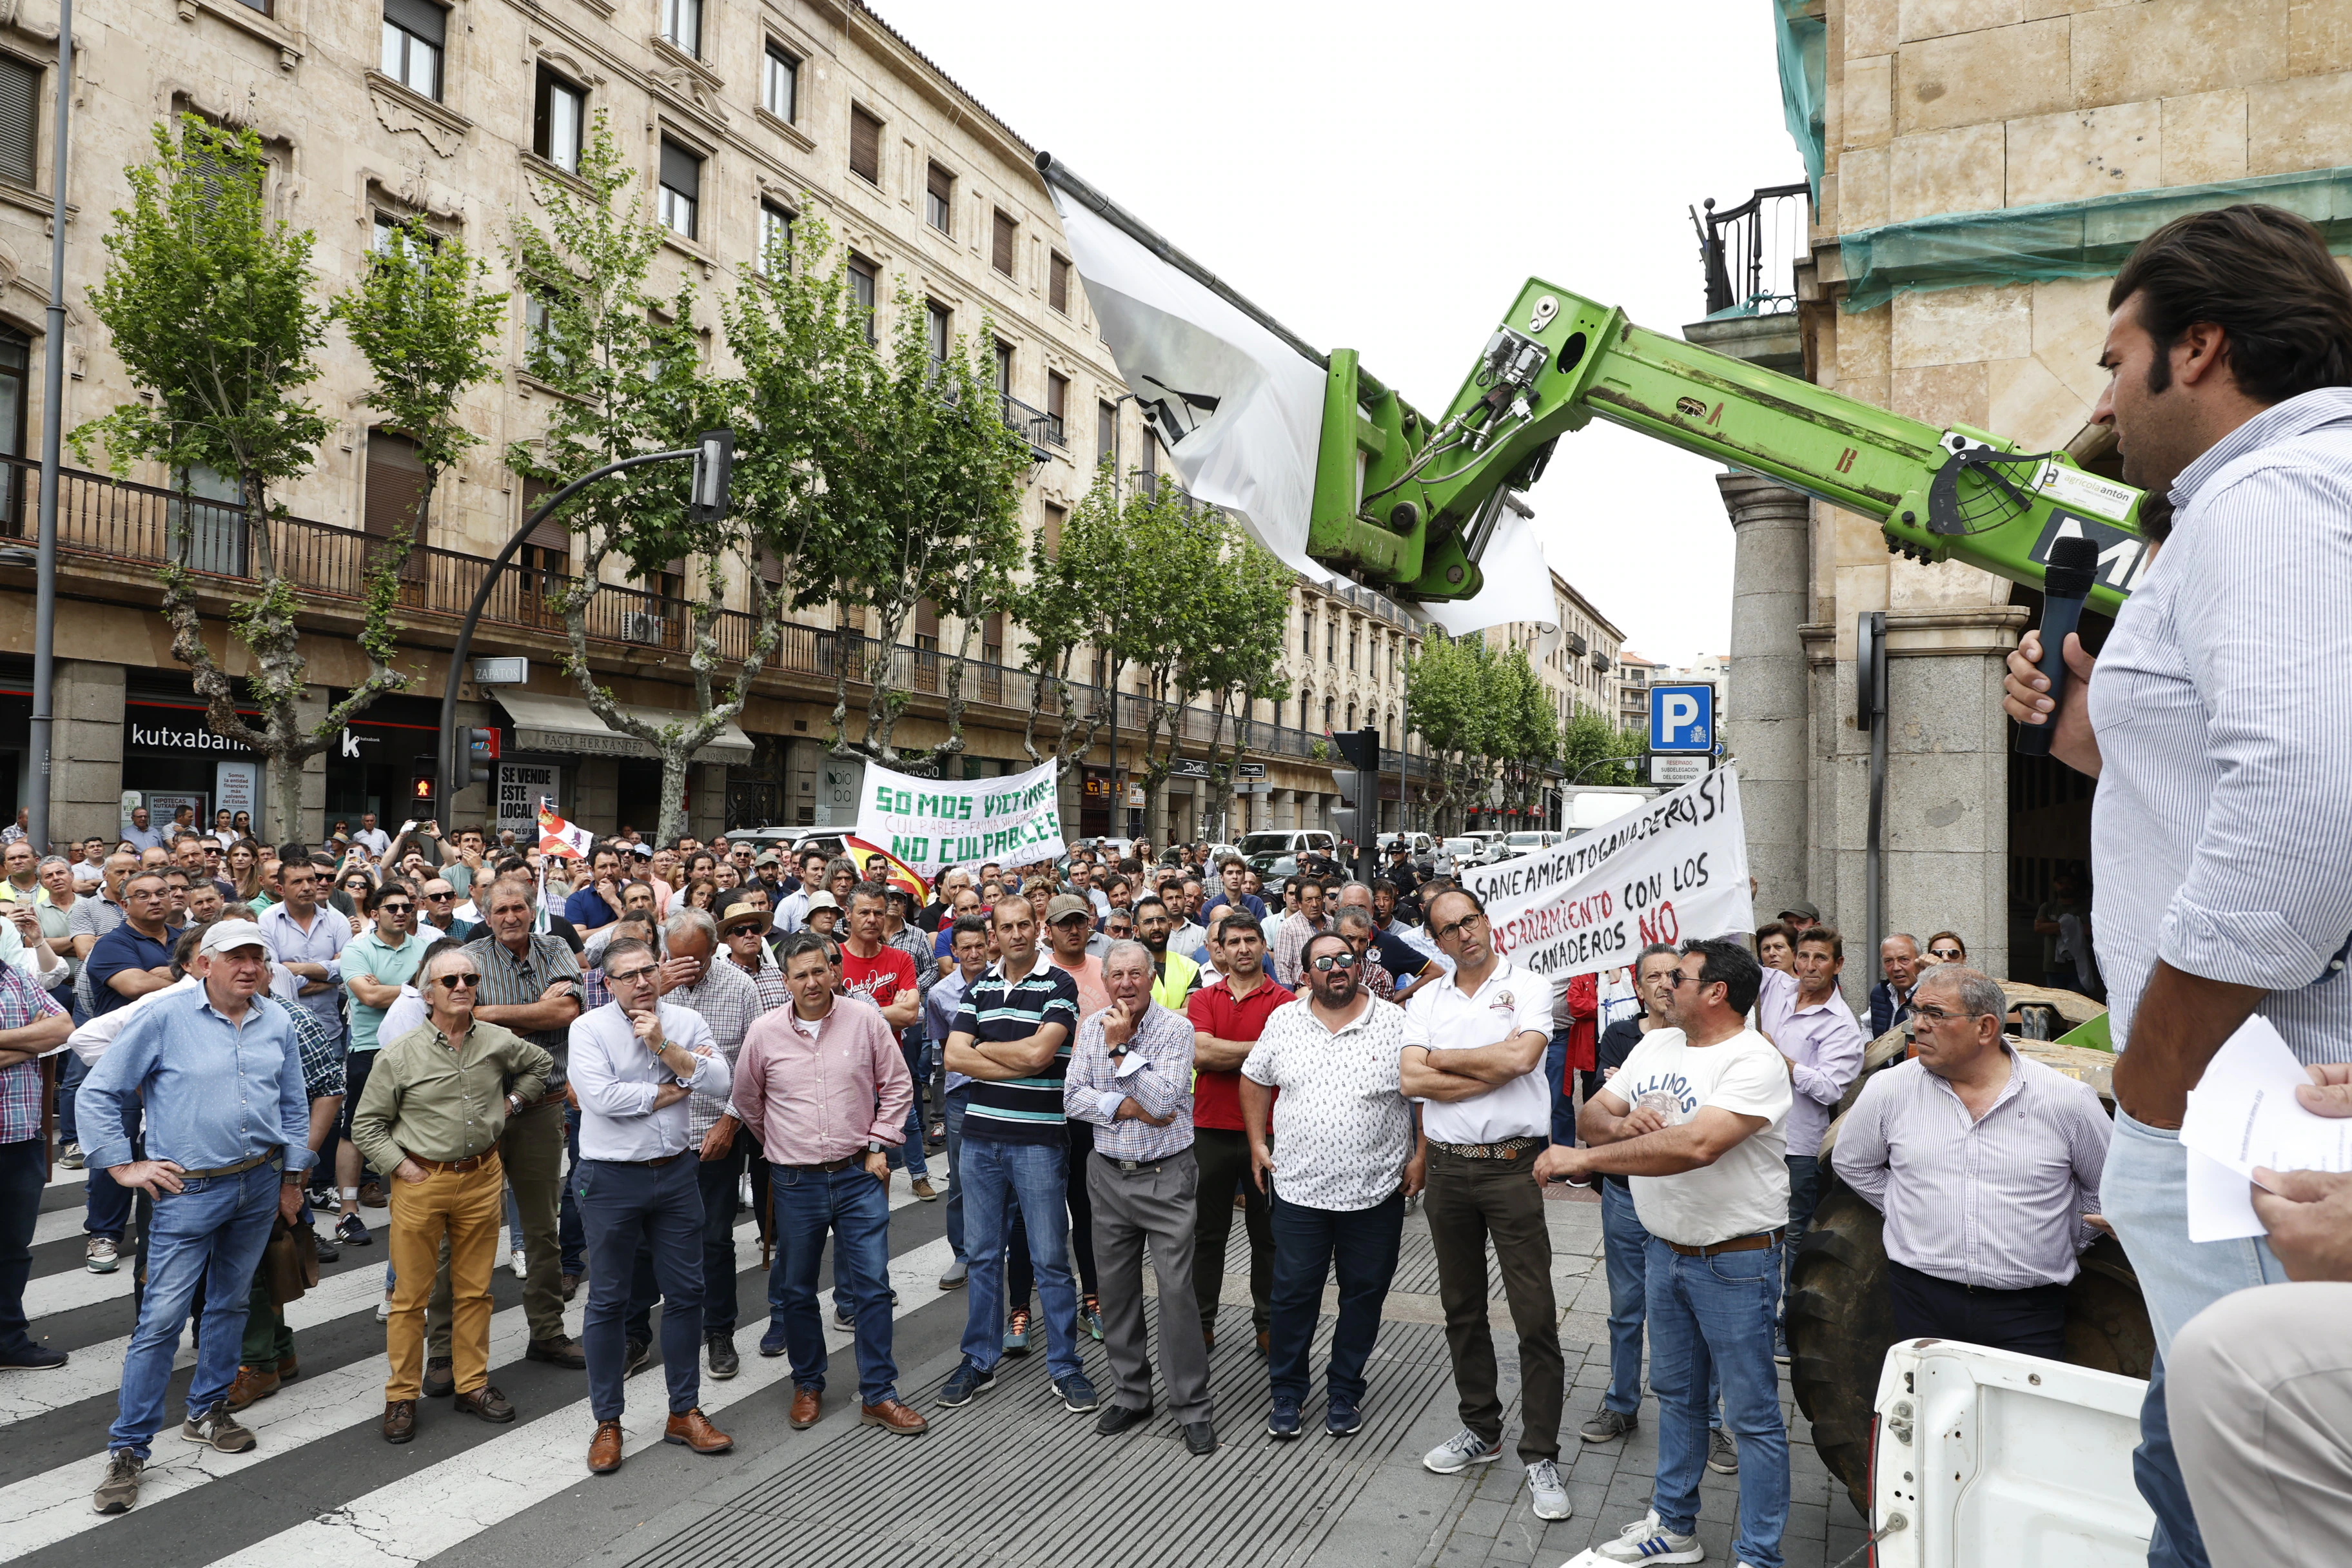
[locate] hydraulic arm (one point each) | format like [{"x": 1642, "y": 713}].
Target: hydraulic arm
[{"x": 1411, "y": 501}]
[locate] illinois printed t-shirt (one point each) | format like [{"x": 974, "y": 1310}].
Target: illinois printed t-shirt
[
  {"x": 880, "y": 978},
  {"x": 1744, "y": 1191}
]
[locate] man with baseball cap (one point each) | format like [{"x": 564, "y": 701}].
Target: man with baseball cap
[
  {"x": 1799, "y": 918},
  {"x": 228, "y": 1133}
]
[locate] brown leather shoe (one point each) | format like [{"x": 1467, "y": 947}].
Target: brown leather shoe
[
  {"x": 893, "y": 1417},
  {"x": 1264, "y": 1343},
  {"x": 399, "y": 1420},
  {"x": 563, "y": 1353},
  {"x": 371, "y": 1196},
  {"x": 570, "y": 1286},
  {"x": 808, "y": 1404},
  {"x": 288, "y": 1369},
  {"x": 440, "y": 1377},
  {"x": 693, "y": 1430},
  {"x": 486, "y": 1403},
  {"x": 604, "y": 1448},
  {"x": 252, "y": 1382}
]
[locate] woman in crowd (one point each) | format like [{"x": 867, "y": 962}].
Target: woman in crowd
[
  {"x": 244, "y": 869},
  {"x": 1774, "y": 950},
  {"x": 242, "y": 825},
  {"x": 701, "y": 893},
  {"x": 1946, "y": 947}
]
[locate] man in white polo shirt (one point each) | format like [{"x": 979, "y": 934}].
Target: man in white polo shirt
[
  {"x": 1474, "y": 1053},
  {"x": 1698, "y": 1117}
]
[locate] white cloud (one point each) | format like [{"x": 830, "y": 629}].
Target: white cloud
[{"x": 1384, "y": 177}]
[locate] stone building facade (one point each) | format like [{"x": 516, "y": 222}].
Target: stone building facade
[
  {"x": 738, "y": 118},
  {"x": 2011, "y": 123}
]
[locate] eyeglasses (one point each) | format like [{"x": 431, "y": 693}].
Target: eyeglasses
[
  {"x": 455, "y": 981},
  {"x": 1458, "y": 926},
  {"x": 395, "y": 909},
  {"x": 1326, "y": 961},
  {"x": 623, "y": 977}
]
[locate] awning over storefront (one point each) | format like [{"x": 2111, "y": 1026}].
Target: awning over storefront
[{"x": 545, "y": 724}]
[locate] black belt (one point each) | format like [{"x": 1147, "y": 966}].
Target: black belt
[
  {"x": 828, "y": 1167},
  {"x": 649, "y": 1164}
]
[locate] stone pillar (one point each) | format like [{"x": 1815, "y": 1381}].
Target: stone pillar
[
  {"x": 1764, "y": 709},
  {"x": 706, "y": 812},
  {"x": 312, "y": 706},
  {"x": 1285, "y": 803},
  {"x": 596, "y": 793},
  {"x": 84, "y": 750}
]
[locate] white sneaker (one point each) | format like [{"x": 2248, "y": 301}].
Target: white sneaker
[
  {"x": 1549, "y": 1490},
  {"x": 1460, "y": 1451},
  {"x": 101, "y": 1256},
  {"x": 514, "y": 1261},
  {"x": 1647, "y": 1541},
  {"x": 383, "y": 1309}
]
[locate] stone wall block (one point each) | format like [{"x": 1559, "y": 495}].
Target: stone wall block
[
  {"x": 1994, "y": 74},
  {"x": 1946, "y": 172},
  {"x": 2084, "y": 152},
  {"x": 1961, "y": 326}
]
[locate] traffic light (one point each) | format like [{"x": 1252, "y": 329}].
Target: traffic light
[
  {"x": 714, "y": 468},
  {"x": 471, "y": 756},
  {"x": 420, "y": 783},
  {"x": 1359, "y": 817}
]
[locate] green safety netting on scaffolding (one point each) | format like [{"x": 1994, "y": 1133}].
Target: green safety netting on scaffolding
[{"x": 2086, "y": 238}]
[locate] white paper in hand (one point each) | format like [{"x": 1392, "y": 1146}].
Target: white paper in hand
[
  {"x": 2243, "y": 1113},
  {"x": 2220, "y": 1201}
]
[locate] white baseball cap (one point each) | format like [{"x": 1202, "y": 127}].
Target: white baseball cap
[{"x": 225, "y": 935}]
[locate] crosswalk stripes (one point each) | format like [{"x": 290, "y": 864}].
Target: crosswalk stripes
[{"x": 53, "y": 1505}]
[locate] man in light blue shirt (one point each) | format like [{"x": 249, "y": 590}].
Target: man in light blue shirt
[
  {"x": 633, "y": 1061},
  {"x": 227, "y": 1134},
  {"x": 306, "y": 937}
]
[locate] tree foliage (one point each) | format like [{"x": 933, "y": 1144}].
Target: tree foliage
[
  {"x": 1487, "y": 720},
  {"x": 1589, "y": 741}
]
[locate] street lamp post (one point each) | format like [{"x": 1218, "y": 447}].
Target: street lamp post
[
  {"x": 53, "y": 418},
  {"x": 1598, "y": 763},
  {"x": 713, "y": 456}
]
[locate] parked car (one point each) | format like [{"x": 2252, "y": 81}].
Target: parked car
[
  {"x": 1526, "y": 842},
  {"x": 1262, "y": 849}
]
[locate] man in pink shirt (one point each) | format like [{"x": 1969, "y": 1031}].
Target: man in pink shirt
[{"x": 824, "y": 1087}]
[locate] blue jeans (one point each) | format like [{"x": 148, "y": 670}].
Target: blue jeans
[
  {"x": 621, "y": 1206},
  {"x": 69, "y": 1079},
  {"x": 208, "y": 1235},
  {"x": 1719, "y": 1308},
  {"x": 2144, "y": 1192},
  {"x": 1563, "y": 1107},
  {"x": 956, "y": 1098},
  {"x": 1804, "y": 1197},
  {"x": 1625, "y": 1250},
  {"x": 855, "y": 1209},
  {"x": 910, "y": 1153},
  {"x": 1310, "y": 1244},
  {"x": 999, "y": 1177}
]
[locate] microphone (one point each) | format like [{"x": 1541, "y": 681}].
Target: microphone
[{"x": 2074, "y": 566}]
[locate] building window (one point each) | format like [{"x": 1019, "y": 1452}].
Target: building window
[
  {"x": 938, "y": 199},
  {"x": 865, "y": 146},
  {"x": 16, "y": 370},
  {"x": 992, "y": 638},
  {"x": 1057, "y": 283},
  {"x": 1306, "y": 641},
  {"x": 938, "y": 328},
  {"x": 414, "y": 32},
  {"x": 20, "y": 100},
  {"x": 1058, "y": 404},
  {"x": 681, "y": 188},
  {"x": 1106, "y": 432},
  {"x": 681, "y": 26},
  {"x": 1000, "y": 252},
  {"x": 775, "y": 239},
  {"x": 780, "y": 85},
  {"x": 1004, "y": 368},
  {"x": 1352, "y": 656},
  {"x": 926, "y": 626},
  {"x": 861, "y": 290},
  {"x": 1052, "y": 529},
  {"x": 556, "y": 120},
  {"x": 1330, "y": 639},
  {"x": 1147, "y": 479}
]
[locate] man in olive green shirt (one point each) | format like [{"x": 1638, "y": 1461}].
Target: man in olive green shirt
[{"x": 431, "y": 1115}]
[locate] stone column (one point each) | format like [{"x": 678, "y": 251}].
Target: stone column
[
  {"x": 1764, "y": 709},
  {"x": 86, "y": 751}
]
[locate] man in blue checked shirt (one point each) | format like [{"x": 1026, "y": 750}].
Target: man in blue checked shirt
[
  {"x": 1132, "y": 1075},
  {"x": 227, "y": 1134}
]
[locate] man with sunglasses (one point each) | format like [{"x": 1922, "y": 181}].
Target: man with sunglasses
[
  {"x": 375, "y": 964},
  {"x": 432, "y": 1114},
  {"x": 437, "y": 913},
  {"x": 633, "y": 1062},
  {"x": 1698, "y": 1117},
  {"x": 1474, "y": 1053}
]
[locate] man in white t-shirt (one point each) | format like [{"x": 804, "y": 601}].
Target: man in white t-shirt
[{"x": 1698, "y": 1117}]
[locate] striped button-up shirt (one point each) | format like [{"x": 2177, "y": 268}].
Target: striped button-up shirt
[
  {"x": 1996, "y": 1201},
  {"x": 2219, "y": 831},
  {"x": 1825, "y": 1047},
  {"x": 729, "y": 1001},
  {"x": 508, "y": 981},
  {"x": 1156, "y": 1073}
]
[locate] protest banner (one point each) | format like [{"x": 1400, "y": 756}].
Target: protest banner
[
  {"x": 932, "y": 824},
  {"x": 1675, "y": 869}
]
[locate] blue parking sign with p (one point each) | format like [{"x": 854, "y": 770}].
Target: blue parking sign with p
[{"x": 1682, "y": 718}]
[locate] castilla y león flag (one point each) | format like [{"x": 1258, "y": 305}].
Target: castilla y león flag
[{"x": 557, "y": 837}]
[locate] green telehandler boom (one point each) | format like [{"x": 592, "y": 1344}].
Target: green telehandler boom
[{"x": 1409, "y": 501}]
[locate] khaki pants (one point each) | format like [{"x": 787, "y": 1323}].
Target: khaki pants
[
  {"x": 2258, "y": 1387},
  {"x": 531, "y": 1150},
  {"x": 467, "y": 1207}
]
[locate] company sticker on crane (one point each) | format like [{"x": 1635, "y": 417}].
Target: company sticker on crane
[{"x": 1674, "y": 869}]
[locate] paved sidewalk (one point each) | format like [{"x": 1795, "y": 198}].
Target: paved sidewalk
[{"x": 1014, "y": 1479}]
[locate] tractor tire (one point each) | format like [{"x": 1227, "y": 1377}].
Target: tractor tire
[{"x": 1840, "y": 1322}]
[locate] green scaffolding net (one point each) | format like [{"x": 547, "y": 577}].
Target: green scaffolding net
[
  {"x": 1802, "y": 44},
  {"x": 2066, "y": 239}
]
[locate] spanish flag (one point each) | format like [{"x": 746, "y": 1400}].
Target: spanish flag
[{"x": 897, "y": 872}]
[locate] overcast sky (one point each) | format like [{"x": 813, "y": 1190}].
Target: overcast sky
[{"x": 1384, "y": 177}]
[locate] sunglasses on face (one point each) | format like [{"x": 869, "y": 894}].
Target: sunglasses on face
[
  {"x": 395, "y": 909},
  {"x": 1326, "y": 961},
  {"x": 1946, "y": 954},
  {"x": 457, "y": 982}
]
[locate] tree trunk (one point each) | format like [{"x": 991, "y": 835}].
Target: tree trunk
[
  {"x": 675, "y": 762},
  {"x": 285, "y": 785}
]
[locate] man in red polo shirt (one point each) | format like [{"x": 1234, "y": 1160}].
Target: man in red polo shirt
[
  {"x": 1227, "y": 1016},
  {"x": 870, "y": 967}
]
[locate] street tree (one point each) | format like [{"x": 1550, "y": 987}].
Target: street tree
[
  {"x": 1523, "y": 730},
  {"x": 1058, "y": 609},
  {"x": 1445, "y": 686},
  {"x": 209, "y": 303},
  {"x": 1588, "y": 741},
  {"x": 1237, "y": 660},
  {"x": 628, "y": 367}
]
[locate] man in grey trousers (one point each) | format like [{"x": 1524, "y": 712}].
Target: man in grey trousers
[{"x": 1131, "y": 1075}]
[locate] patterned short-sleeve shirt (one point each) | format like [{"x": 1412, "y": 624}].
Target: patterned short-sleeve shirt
[{"x": 1341, "y": 1131}]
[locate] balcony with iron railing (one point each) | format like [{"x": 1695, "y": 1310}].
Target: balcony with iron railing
[{"x": 105, "y": 523}]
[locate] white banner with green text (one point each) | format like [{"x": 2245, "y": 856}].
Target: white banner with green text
[{"x": 932, "y": 824}]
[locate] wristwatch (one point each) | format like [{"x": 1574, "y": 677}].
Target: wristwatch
[
  {"x": 514, "y": 1104},
  {"x": 873, "y": 1146}
]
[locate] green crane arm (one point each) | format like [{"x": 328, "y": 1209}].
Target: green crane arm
[{"x": 1406, "y": 500}]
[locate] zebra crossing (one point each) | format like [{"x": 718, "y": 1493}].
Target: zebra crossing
[{"x": 355, "y": 1500}]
